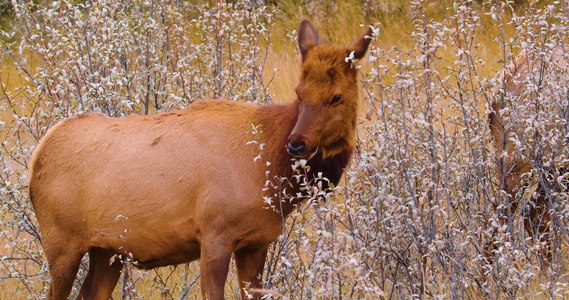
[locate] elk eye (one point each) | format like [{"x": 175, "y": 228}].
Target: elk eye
[{"x": 336, "y": 99}]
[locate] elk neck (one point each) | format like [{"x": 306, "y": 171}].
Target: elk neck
[{"x": 278, "y": 122}]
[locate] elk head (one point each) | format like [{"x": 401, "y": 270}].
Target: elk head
[{"x": 328, "y": 96}]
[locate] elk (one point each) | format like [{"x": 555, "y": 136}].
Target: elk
[
  {"x": 179, "y": 186},
  {"x": 528, "y": 197}
]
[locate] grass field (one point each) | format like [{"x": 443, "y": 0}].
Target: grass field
[{"x": 420, "y": 202}]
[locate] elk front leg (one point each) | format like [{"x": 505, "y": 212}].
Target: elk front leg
[
  {"x": 214, "y": 265},
  {"x": 250, "y": 263}
]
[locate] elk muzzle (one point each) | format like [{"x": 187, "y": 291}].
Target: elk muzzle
[
  {"x": 298, "y": 148},
  {"x": 300, "y": 141}
]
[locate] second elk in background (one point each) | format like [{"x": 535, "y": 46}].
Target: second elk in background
[{"x": 528, "y": 123}]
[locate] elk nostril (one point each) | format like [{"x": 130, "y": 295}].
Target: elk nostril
[{"x": 296, "y": 150}]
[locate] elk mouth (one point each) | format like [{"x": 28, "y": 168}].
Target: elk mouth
[
  {"x": 314, "y": 152},
  {"x": 300, "y": 151}
]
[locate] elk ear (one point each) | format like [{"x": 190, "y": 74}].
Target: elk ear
[
  {"x": 361, "y": 44},
  {"x": 307, "y": 37}
]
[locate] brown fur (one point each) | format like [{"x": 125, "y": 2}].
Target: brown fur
[
  {"x": 511, "y": 166},
  {"x": 176, "y": 187}
]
